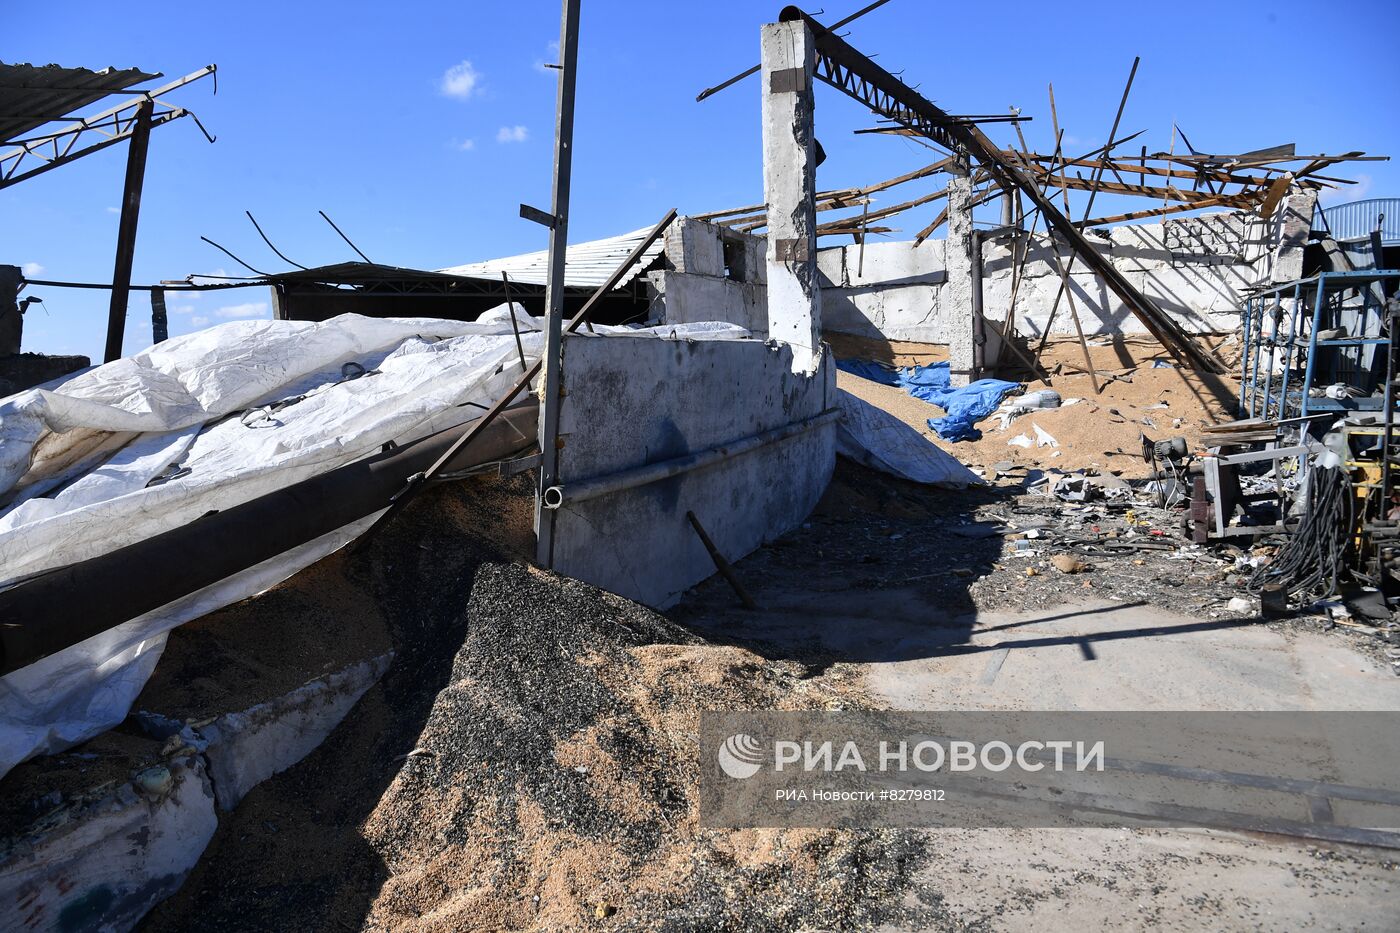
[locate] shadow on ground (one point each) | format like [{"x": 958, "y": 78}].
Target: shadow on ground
[
  {"x": 880, "y": 571},
  {"x": 883, "y": 571}
]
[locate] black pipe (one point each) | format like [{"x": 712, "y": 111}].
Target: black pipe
[{"x": 65, "y": 606}]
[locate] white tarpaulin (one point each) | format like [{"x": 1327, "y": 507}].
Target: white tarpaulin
[
  {"x": 875, "y": 438},
  {"x": 204, "y": 422}
]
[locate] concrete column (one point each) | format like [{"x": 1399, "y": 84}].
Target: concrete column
[
  {"x": 1292, "y": 224},
  {"x": 789, "y": 189},
  {"x": 958, "y": 263}
]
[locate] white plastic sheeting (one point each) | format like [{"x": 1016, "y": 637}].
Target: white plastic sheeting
[
  {"x": 875, "y": 438},
  {"x": 141, "y": 445}
]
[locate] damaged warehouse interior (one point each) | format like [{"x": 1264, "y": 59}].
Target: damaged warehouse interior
[{"x": 430, "y": 596}]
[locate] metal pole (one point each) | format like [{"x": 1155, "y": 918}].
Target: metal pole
[
  {"x": 721, "y": 564},
  {"x": 756, "y": 68},
  {"x": 1312, "y": 348},
  {"x": 979, "y": 326},
  {"x": 514, "y": 324},
  {"x": 126, "y": 230},
  {"x": 1289, "y": 352},
  {"x": 554, "y": 285}
]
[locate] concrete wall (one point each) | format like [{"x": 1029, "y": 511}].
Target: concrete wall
[
  {"x": 105, "y": 856},
  {"x": 710, "y": 273},
  {"x": 636, "y": 400},
  {"x": 894, "y": 287},
  {"x": 1193, "y": 268}
]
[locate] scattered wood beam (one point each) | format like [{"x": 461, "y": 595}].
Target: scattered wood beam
[
  {"x": 1144, "y": 169},
  {"x": 758, "y": 210},
  {"x": 1161, "y": 211},
  {"x": 1169, "y": 192},
  {"x": 759, "y": 221}
]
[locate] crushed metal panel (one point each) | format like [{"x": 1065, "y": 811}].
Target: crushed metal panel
[
  {"x": 356, "y": 272},
  {"x": 33, "y": 95}
]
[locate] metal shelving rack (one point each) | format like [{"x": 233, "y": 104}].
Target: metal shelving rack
[{"x": 1287, "y": 395}]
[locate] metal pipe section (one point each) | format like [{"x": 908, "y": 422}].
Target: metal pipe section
[
  {"x": 556, "y": 497},
  {"x": 554, "y": 285},
  {"x": 63, "y": 607},
  {"x": 979, "y": 321}
]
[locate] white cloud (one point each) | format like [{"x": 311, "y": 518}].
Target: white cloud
[
  {"x": 542, "y": 66},
  {"x": 199, "y": 320},
  {"x": 1345, "y": 194},
  {"x": 247, "y": 309},
  {"x": 465, "y": 145},
  {"x": 512, "y": 134},
  {"x": 182, "y": 309},
  {"x": 114, "y": 210},
  {"x": 32, "y": 269},
  {"x": 460, "y": 80}
]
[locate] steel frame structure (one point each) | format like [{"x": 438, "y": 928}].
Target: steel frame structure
[
  {"x": 70, "y": 143},
  {"x": 854, "y": 74}
]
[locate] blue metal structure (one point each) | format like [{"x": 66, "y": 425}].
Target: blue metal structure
[{"x": 1352, "y": 300}]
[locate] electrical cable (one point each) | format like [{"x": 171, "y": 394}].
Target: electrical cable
[{"x": 1310, "y": 563}]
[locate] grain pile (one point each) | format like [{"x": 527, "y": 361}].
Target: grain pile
[
  {"x": 558, "y": 778},
  {"x": 530, "y": 762},
  {"x": 1101, "y": 432}
]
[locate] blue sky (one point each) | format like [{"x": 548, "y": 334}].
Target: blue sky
[{"x": 419, "y": 127}]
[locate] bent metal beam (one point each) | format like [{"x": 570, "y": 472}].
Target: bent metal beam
[{"x": 855, "y": 75}]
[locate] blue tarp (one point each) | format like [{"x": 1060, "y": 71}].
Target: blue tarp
[
  {"x": 867, "y": 369},
  {"x": 965, "y": 406}
]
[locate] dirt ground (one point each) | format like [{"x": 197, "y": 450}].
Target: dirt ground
[
  {"x": 1102, "y": 431},
  {"x": 914, "y": 594}
]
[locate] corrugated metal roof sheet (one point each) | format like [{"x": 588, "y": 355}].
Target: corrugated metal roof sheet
[
  {"x": 32, "y": 95},
  {"x": 1358, "y": 218},
  {"x": 586, "y": 265}
]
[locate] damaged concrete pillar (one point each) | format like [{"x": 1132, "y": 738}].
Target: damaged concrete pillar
[
  {"x": 789, "y": 189},
  {"x": 958, "y": 263},
  {"x": 1292, "y": 226}
]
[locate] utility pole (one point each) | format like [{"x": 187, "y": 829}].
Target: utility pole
[{"x": 554, "y": 286}]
